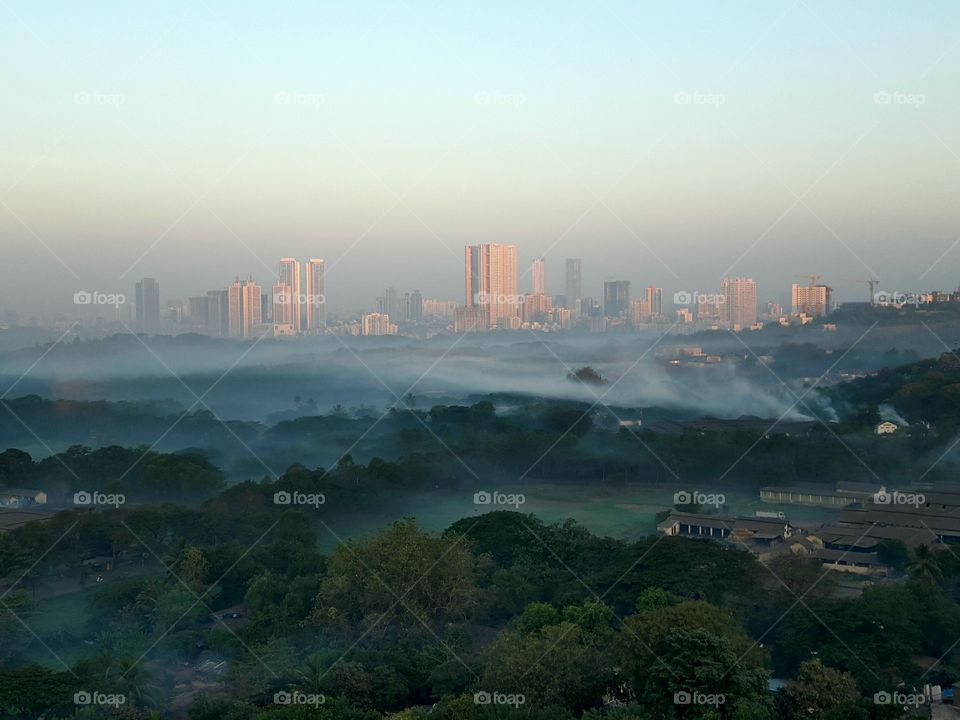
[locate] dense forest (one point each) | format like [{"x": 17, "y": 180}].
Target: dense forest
[{"x": 543, "y": 620}]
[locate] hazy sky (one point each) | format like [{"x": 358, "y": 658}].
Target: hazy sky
[{"x": 667, "y": 143}]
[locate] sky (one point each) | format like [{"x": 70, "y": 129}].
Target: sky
[{"x": 664, "y": 143}]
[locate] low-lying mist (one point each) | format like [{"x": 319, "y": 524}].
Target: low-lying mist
[{"x": 274, "y": 379}]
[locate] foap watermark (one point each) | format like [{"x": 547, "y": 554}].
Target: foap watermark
[
  {"x": 498, "y": 498},
  {"x": 896, "y": 298},
  {"x": 895, "y": 497},
  {"x": 513, "y": 700},
  {"x": 291, "y": 98},
  {"x": 95, "y": 697},
  {"x": 899, "y": 699},
  {"x": 695, "y": 697},
  {"x": 696, "y": 97},
  {"x": 485, "y": 298},
  {"x": 898, "y": 97},
  {"x": 314, "y": 500},
  {"x": 685, "y": 297},
  {"x": 485, "y": 97},
  {"x": 95, "y": 297},
  {"x": 86, "y": 498},
  {"x": 282, "y": 298},
  {"x": 696, "y": 497},
  {"x": 295, "y": 697},
  {"x": 89, "y": 97}
]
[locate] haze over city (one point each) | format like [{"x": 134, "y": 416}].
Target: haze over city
[
  {"x": 406, "y": 360},
  {"x": 196, "y": 142}
]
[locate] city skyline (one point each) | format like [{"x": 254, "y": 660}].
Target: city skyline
[
  {"x": 491, "y": 301},
  {"x": 706, "y": 152}
]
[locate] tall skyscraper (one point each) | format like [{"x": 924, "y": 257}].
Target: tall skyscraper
[
  {"x": 616, "y": 298},
  {"x": 654, "y": 298},
  {"x": 416, "y": 307},
  {"x": 244, "y": 307},
  {"x": 148, "y": 306},
  {"x": 539, "y": 276},
  {"x": 316, "y": 296},
  {"x": 218, "y": 313},
  {"x": 282, "y": 304},
  {"x": 812, "y": 299},
  {"x": 290, "y": 275},
  {"x": 197, "y": 308},
  {"x": 740, "y": 301},
  {"x": 491, "y": 283},
  {"x": 389, "y": 303},
  {"x": 573, "y": 286}
]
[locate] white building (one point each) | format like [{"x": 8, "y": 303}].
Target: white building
[{"x": 886, "y": 428}]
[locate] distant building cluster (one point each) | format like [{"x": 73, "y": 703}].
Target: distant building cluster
[{"x": 296, "y": 304}]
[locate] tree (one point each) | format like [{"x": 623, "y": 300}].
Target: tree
[
  {"x": 817, "y": 691},
  {"x": 563, "y": 665},
  {"x": 655, "y": 597},
  {"x": 587, "y": 375},
  {"x": 194, "y": 567},
  {"x": 397, "y": 581},
  {"x": 536, "y": 616},
  {"x": 893, "y": 553},
  {"x": 15, "y": 637},
  {"x": 690, "y": 647},
  {"x": 924, "y": 567}
]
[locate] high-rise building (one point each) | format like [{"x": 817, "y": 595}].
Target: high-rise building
[
  {"x": 708, "y": 307},
  {"x": 740, "y": 301},
  {"x": 813, "y": 300},
  {"x": 640, "y": 311},
  {"x": 654, "y": 298},
  {"x": 282, "y": 304},
  {"x": 218, "y": 313},
  {"x": 316, "y": 296},
  {"x": 389, "y": 303},
  {"x": 148, "y": 306},
  {"x": 469, "y": 318},
  {"x": 378, "y": 324},
  {"x": 290, "y": 275},
  {"x": 197, "y": 309},
  {"x": 244, "y": 307},
  {"x": 535, "y": 307},
  {"x": 616, "y": 298},
  {"x": 491, "y": 282},
  {"x": 415, "y": 309},
  {"x": 539, "y": 276},
  {"x": 574, "y": 290}
]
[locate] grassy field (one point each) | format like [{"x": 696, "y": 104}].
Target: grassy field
[{"x": 623, "y": 512}]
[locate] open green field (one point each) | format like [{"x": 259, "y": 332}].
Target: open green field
[{"x": 626, "y": 512}]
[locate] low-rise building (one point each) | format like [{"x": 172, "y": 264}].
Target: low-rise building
[
  {"x": 886, "y": 428},
  {"x": 22, "y": 498},
  {"x": 819, "y": 495},
  {"x": 758, "y": 534}
]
